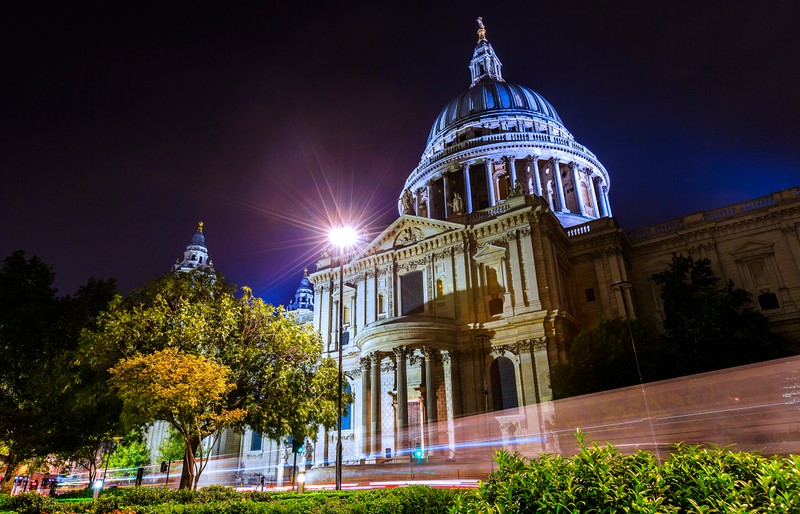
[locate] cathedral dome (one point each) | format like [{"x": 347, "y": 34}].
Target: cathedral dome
[
  {"x": 499, "y": 140},
  {"x": 491, "y": 96}
]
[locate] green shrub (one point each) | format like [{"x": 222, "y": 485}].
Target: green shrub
[
  {"x": 600, "y": 479},
  {"x": 30, "y": 503}
]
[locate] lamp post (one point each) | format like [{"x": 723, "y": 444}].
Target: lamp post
[
  {"x": 343, "y": 238},
  {"x": 621, "y": 286}
]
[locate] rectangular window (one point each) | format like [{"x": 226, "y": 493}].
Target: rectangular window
[
  {"x": 413, "y": 293},
  {"x": 255, "y": 441},
  {"x": 345, "y": 338},
  {"x": 589, "y": 294}
]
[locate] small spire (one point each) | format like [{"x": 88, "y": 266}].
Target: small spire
[
  {"x": 484, "y": 64},
  {"x": 199, "y": 227},
  {"x": 305, "y": 272},
  {"x": 481, "y": 29}
]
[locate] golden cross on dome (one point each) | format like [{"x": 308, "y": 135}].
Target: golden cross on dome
[{"x": 481, "y": 29}]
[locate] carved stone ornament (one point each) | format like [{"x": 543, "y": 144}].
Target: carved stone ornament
[{"x": 409, "y": 235}]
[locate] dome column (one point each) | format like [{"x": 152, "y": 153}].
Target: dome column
[
  {"x": 592, "y": 191},
  {"x": 576, "y": 174},
  {"x": 512, "y": 168},
  {"x": 537, "y": 179},
  {"x": 490, "y": 180},
  {"x": 467, "y": 187},
  {"x": 446, "y": 206},
  {"x": 604, "y": 200},
  {"x": 562, "y": 205}
]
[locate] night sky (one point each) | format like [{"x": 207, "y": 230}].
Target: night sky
[{"x": 122, "y": 124}]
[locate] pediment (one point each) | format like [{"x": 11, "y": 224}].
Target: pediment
[
  {"x": 489, "y": 252},
  {"x": 752, "y": 248},
  {"x": 407, "y": 230}
]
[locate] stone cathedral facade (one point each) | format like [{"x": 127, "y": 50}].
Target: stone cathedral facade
[{"x": 504, "y": 249}]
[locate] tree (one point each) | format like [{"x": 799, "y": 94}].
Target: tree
[
  {"x": 710, "y": 326},
  {"x": 172, "y": 448},
  {"x": 130, "y": 452},
  {"x": 602, "y": 358},
  {"x": 39, "y": 386},
  {"x": 187, "y": 391},
  {"x": 279, "y": 380}
]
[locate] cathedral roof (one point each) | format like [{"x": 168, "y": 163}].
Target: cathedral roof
[{"x": 492, "y": 96}]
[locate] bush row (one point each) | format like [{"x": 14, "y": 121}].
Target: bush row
[
  {"x": 406, "y": 500},
  {"x": 600, "y": 479}
]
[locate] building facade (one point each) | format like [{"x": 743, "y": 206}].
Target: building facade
[{"x": 504, "y": 250}]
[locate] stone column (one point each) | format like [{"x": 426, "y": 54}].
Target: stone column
[
  {"x": 489, "y": 169},
  {"x": 455, "y": 381},
  {"x": 604, "y": 199},
  {"x": 445, "y": 191},
  {"x": 512, "y": 169},
  {"x": 537, "y": 179},
  {"x": 467, "y": 188},
  {"x": 365, "y": 434},
  {"x": 429, "y": 187},
  {"x": 594, "y": 194},
  {"x": 375, "y": 393},
  {"x": 562, "y": 205},
  {"x": 577, "y": 187},
  {"x": 430, "y": 383},
  {"x": 402, "y": 398}
]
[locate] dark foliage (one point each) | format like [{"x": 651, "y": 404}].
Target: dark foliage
[{"x": 710, "y": 326}]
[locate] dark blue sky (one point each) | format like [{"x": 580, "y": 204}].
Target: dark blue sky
[{"x": 123, "y": 125}]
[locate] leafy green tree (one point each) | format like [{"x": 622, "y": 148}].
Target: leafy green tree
[
  {"x": 279, "y": 380},
  {"x": 39, "y": 387},
  {"x": 171, "y": 448},
  {"x": 602, "y": 358},
  {"x": 130, "y": 452},
  {"x": 710, "y": 326},
  {"x": 187, "y": 391}
]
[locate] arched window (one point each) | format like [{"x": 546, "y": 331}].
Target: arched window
[
  {"x": 381, "y": 303},
  {"x": 347, "y": 419},
  {"x": 504, "y": 384}
]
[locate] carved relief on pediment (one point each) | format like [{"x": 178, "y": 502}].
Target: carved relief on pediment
[{"x": 409, "y": 236}]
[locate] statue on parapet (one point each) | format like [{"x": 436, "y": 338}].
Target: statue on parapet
[
  {"x": 517, "y": 190},
  {"x": 407, "y": 202},
  {"x": 457, "y": 204}
]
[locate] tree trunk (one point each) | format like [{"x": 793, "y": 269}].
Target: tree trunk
[
  {"x": 187, "y": 474},
  {"x": 8, "y": 478}
]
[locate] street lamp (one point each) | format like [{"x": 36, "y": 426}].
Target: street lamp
[
  {"x": 621, "y": 286},
  {"x": 343, "y": 238}
]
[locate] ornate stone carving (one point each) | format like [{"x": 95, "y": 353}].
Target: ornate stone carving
[
  {"x": 365, "y": 363},
  {"x": 408, "y": 236},
  {"x": 387, "y": 366}
]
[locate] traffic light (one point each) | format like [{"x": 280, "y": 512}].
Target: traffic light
[
  {"x": 418, "y": 454},
  {"x": 297, "y": 445},
  {"x": 164, "y": 466}
]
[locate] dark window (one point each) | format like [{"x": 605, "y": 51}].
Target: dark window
[
  {"x": 589, "y": 294},
  {"x": 412, "y": 293},
  {"x": 255, "y": 441},
  {"x": 495, "y": 306},
  {"x": 768, "y": 301},
  {"x": 347, "y": 419},
  {"x": 345, "y": 338},
  {"x": 504, "y": 384}
]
